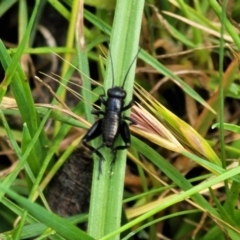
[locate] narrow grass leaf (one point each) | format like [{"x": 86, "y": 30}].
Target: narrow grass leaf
[
  {"x": 16, "y": 58},
  {"x": 107, "y": 192},
  {"x": 60, "y": 225},
  {"x": 5, "y": 5},
  {"x": 171, "y": 172},
  {"x": 7, "y": 182},
  {"x": 228, "y": 126},
  {"x": 192, "y": 192}
]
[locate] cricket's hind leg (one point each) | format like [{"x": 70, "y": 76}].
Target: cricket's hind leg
[
  {"x": 126, "y": 137},
  {"x": 94, "y": 132}
]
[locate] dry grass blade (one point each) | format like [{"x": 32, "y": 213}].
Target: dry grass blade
[
  {"x": 70, "y": 64},
  {"x": 199, "y": 26},
  {"x": 152, "y": 129},
  {"x": 74, "y": 93},
  {"x": 176, "y": 129},
  {"x": 52, "y": 92},
  {"x": 69, "y": 112},
  {"x": 7, "y": 103}
]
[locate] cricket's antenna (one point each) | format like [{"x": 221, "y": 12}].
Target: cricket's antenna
[
  {"x": 110, "y": 54},
  {"x": 124, "y": 80}
]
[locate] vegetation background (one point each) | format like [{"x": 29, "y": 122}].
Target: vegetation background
[{"x": 181, "y": 179}]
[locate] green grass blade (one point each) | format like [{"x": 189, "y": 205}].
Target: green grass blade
[
  {"x": 7, "y": 182},
  {"x": 16, "y": 58},
  {"x": 227, "y": 24},
  {"x": 188, "y": 193},
  {"x": 32, "y": 159},
  {"x": 5, "y": 5},
  {"x": 106, "y": 199},
  {"x": 62, "y": 226},
  {"x": 171, "y": 172}
]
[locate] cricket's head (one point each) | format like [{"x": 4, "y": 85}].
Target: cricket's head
[{"x": 116, "y": 92}]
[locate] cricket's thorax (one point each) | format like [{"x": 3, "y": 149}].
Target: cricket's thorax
[{"x": 115, "y": 105}]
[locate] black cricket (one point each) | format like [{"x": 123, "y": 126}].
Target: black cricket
[{"x": 113, "y": 123}]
